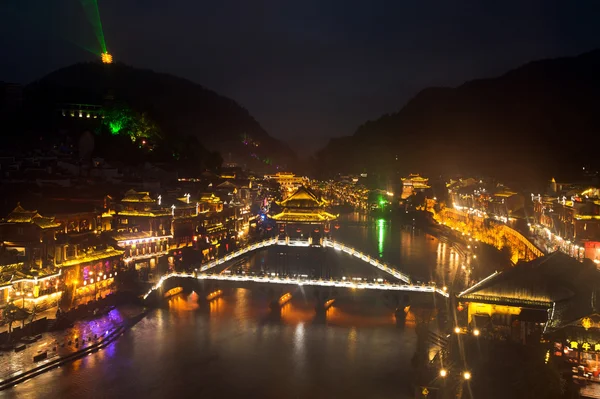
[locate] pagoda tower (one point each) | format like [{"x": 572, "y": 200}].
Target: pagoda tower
[{"x": 304, "y": 216}]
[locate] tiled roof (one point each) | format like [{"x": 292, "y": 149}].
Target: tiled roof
[
  {"x": 226, "y": 184},
  {"x": 209, "y": 197},
  {"x": 46, "y": 223},
  {"x": 135, "y": 196},
  {"x": 289, "y": 215},
  {"x": 20, "y": 215},
  {"x": 302, "y": 198},
  {"x": 546, "y": 279},
  {"x": 568, "y": 288}
]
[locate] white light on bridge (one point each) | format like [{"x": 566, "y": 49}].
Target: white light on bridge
[{"x": 274, "y": 279}]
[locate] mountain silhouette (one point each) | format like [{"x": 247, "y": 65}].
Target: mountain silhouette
[
  {"x": 179, "y": 107},
  {"x": 533, "y": 122}
]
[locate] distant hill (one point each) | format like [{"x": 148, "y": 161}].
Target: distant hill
[
  {"x": 178, "y": 106},
  {"x": 530, "y": 123}
]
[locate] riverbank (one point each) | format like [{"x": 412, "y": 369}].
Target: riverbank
[
  {"x": 479, "y": 259},
  {"x": 56, "y": 348}
]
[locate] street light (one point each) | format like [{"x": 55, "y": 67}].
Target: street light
[
  {"x": 476, "y": 332},
  {"x": 443, "y": 373},
  {"x": 467, "y": 375},
  {"x": 457, "y": 330}
]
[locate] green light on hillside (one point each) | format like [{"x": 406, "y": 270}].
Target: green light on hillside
[{"x": 115, "y": 126}]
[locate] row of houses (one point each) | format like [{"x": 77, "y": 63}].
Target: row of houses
[
  {"x": 78, "y": 246},
  {"x": 567, "y": 218}
]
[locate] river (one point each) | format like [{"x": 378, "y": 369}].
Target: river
[{"x": 234, "y": 347}]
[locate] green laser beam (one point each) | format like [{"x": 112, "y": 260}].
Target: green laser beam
[
  {"x": 26, "y": 19},
  {"x": 93, "y": 14}
]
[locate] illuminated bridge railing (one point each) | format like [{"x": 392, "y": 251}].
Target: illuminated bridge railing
[
  {"x": 366, "y": 258},
  {"x": 303, "y": 282},
  {"x": 303, "y": 243},
  {"x": 240, "y": 252}
]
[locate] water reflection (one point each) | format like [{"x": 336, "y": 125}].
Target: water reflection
[
  {"x": 183, "y": 303},
  {"x": 184, "y": 349},
  {"x": 352, "y": 342},
  {"x": 299, "y": 344},
  {"x": 216, "y": 306},
  {"x": 294, "y": 313},
  {"x": 380, "y": 236}
]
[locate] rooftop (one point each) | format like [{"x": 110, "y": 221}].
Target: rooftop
[
  {"x": 137, "y": 196},
  {"x": 302, "y": 198},
  {"x": 556, "y": 281},
  {"x": 296, "y": 215},
  {"x": 20, "y": 215}
]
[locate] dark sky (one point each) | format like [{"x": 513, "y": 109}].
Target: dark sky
[{"x": 307, "y": 70}]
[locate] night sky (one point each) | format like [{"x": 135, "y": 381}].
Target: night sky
[{"x": 307, "y": 70}]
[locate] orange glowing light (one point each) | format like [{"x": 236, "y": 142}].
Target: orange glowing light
[{"x": 106, "y": 58}]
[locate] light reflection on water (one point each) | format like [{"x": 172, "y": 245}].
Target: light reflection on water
[{"x": 234, "y": 346}]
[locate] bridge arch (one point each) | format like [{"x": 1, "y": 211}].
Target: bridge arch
[{"x": 405, "y": 278}]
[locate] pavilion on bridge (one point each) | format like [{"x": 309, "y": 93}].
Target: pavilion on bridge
[{"x": 304, "y": 216}]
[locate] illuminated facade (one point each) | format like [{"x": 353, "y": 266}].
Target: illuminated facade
[
  {"x": 57, "y": 252},
  {"x": 209, "y": 202},
  {"x": 83, "y": 111},
  {"x": 570, "y": 223},
  {"x": 413, "y": 184},
  {"x": 31, "y": 235},
  {"x": 142, "y": 246},
  {"x": 90, "y": 273},
  {"x": 140, "y": 212},
  {"x": 288, "y": 181},
  {"x": 25, "y": 291}
]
